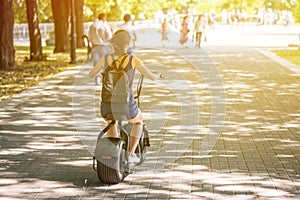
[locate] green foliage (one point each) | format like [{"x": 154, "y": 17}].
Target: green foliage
[
  {"x": 115, "y": 9},
  {"x": 297, "y": 12},
  {"x": 290, "y": 55},
  {"x": 20, "y": 11},
  {"x": 251, "y": 6},
  {"x": 44, "y": 9},
  {"x": 280, "y": 4}
]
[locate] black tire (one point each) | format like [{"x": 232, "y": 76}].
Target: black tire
[{"x": 111, "y": 169}]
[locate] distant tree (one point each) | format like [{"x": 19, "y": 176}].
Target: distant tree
[
  {"x": 297, "y": 12},
  {"x": 44, "y": 11},
  {"x": 114, "y": 10},
  {"x": 281, "y": 5},
  {"x": 7, "y": 51},
  {"x": 35, "y": 37},
  {"x": 97, "y": 7},
  {"x": 19, "y": 14},
  {"x": 79, "y": 22},
  {"x": 61, "y": 13}
]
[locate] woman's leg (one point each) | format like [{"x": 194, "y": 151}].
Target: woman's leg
[
  {"x": 112, "y": 132},
  {"x": 136, "y": 132},
  {"x": 135, "y": 136},
  {"x": 197, "y": 39},
  {"x": 200, "y": 38}
]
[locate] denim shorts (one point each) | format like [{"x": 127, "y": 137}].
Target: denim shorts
[{"x": 129, "y": 109}]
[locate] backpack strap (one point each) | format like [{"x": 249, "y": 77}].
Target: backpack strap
[
  {"x": 113, "y": 65},
  {"x": 122, "y": 63},
  {"x": 123, "y": 60},
  {"x": 129, "y": 63},
  {"x": 106, "y": 65}
]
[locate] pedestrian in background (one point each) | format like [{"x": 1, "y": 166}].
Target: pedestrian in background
[
  {"x": 199, "y": 29},
  {"x": 184, "y": 30},
  {"x": 129, "y": 27},
  {"x": 164, "y": 31},
  {"x": 99, "y": 35}
]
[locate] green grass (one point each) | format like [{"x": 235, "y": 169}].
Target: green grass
[
  {"x": 30, "y": 73},
  {"x": 291, "y": 55}
]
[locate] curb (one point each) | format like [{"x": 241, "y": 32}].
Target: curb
[{"x": 285, "y": 63}]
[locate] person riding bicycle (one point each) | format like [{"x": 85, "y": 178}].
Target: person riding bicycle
[{"x": 120, "y": 42}]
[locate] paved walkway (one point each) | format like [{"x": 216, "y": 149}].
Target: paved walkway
[{"x": 224, "y": 124}]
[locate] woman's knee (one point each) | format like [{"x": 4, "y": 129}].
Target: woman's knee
[
  {"x": 140, "y": 123},
  {"x": 138, "y": 120}
]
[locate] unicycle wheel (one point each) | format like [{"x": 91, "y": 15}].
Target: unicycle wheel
[{"x": 111, "y": 165}]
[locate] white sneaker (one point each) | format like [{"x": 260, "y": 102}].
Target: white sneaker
[{"x": 133, "y": 159}]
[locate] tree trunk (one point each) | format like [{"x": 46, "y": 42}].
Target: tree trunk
[
  {"x": 79, "y": 22},
  {"x": 61, "y": 14},
  {"x": 7, "y": 51},
  {"x": 35, "y": 37},
  {"x": 73, "y": 33}
]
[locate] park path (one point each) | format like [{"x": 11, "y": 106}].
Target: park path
[{"x": 229, "y": 100}]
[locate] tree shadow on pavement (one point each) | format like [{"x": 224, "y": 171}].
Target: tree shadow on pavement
[{"x": 42, "y": 156}]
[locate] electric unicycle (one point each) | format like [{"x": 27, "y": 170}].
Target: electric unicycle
[{"x": 110, "y": 159}]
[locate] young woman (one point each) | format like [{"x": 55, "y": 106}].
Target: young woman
[
  {"x": 184, "y": 31},
  {"x": 164, "y": 31},
  {"x": 121, "y": 41}
]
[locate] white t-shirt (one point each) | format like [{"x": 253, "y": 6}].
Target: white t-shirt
[
  {"x": 200, "y": 25},
  {"x": 100, "y": 33}
]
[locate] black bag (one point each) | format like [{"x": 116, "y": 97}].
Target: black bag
[{"x": 115, "y": 83}]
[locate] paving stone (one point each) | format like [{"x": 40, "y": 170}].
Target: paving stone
[{"x": 256, "y": 156}]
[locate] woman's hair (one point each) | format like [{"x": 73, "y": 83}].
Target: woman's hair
[
  {"x": 127, "y": 17},
  {"x": 120, "y": 41},
  {"x": 101, "y": 16}
]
